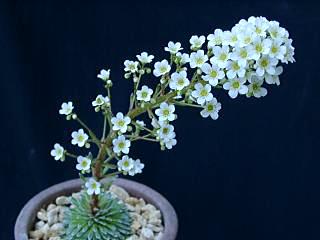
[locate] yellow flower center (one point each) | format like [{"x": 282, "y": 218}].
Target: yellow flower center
[
  {"x": 121, "y": 123},
  {"x": 203, "y": 93},
  {"x": 223, "y": 56},
  {"x": 210, "y": 108},
  {"x": 235, "y": 66},
  {"x": 236, "y": 84},
  {"x": 181, "y": 81},
  {"x": 213, "y": 73},
  {"x": 243, "y": 54},
  {"x": 121, "y": 145},
  {"x": 259, "y": 48},
  {"x": 274, "y": 49},
  {"x": 80, "y": 138},
  {"x": 199, "y": 60},
  {"x": 144, "y": 94},
  {"x": 264, "y": 63},
  {"x": 163, "y": 69}
]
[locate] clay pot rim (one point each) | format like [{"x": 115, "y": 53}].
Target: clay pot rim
[{"x": 26, "y": 218}]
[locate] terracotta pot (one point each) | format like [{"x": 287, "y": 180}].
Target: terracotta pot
[{"x": 28, "y": 214}]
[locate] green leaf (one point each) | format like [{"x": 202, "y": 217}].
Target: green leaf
[{"x": 111, "y": 222}]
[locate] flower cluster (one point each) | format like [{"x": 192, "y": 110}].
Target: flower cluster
[
  {"x": 241, "y": 61},
  {"x": 129, "y": 166}
]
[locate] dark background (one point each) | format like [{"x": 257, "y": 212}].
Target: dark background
[{"x": 253, "y": 174}]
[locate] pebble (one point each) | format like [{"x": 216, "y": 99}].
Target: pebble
[
  {"x": 42, "y": 215},
  {"x": 39, "y": 225},
  {"x": 61, "y": 201},
  {"x": 51, "y": 206},
  {"x": 120, "y": 192},
  {"x": 146, "y": 224},
  {"x": 53, "y": 216},
  {"x": 147, "y": 234}
]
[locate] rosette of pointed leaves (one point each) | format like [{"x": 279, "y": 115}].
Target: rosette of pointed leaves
[{"x": 111, "y": 221}]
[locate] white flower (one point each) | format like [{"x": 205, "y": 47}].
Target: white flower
[
  {"x": 234, "y": 69},
  {"x": 179, "y": 80},
  {"x": 255, "y": 87},
  {"x": 184, "y": 58},
  {"x": 169, "y": 143},
  {"x": 79, "y": 138},
  {"x": 93, "y": 187},
  {"x": 216, "y": 38},
  {"x": 277, "y": 50},
  {"x": 166, "y": 132},
  {"x": 211, "y": 109},
  {"x": 259, "y": 47},
  {"x": 140, "y": 123},
  {"x": 197, "y": 59},
  {"x": 261, "y": 24},
  {"x": 288, "y": 57},
  {"x": 137, "y": 167},
  {"x": 58, "y": 152},
  {"x": 221, "y": 56},
  {"x": 213, "y": 74},
  {"x": 236, "y": 86},
  {"x": 83, "y": 163},
  {"x": 145, "y": 58},
  {"x": 120, "y": 144},
  {"x": 144, "y": 94},
  {"x": 104, "y": 74},
  {"x": 173, "y": 47},
  {"x": 165, "y": 112},
  {"x": 274, "y": 79},
  {"x": 230, "y": 38},
  {"x": 275, "y": 31},
  {"x": 131, "y": 66},
  {"x": 100, "y": 100},
  {"x": 197, "y": 42},
  {"x": 120, "y": 122},
  {"x": 125, "y": 164},
  {"x": 66, "y": 108},
  {"x": 266, "y": 64},
  {"x": 161, "y": 68},
  {"x": 246, "y": 38},
  {"x": 242, "y": 55},
  {"x": 202, "y": 93}
]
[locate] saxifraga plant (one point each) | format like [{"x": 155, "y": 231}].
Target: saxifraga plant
[
  {"x": 241, "y": 61},
  {"x": 111, "y": 221}
]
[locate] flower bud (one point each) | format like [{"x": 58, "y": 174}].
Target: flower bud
[
  {"x": 74, "y": 116},
  {"x": 129, "y": 128},
  {"x": 135, "y": 79},
  {"x": 148, "y": 70},
  {"x": 127, "y": 75},
  {"x": 141, "y": 71},
  {"x": 152, "y": 100},
  {"x": 87, "y": 145},
  {"x": 97, "y": 109},
  {"x": 109, "y": 83},
  {"x": 199, "y": 71},
  {"x": 68, "y": 117}
]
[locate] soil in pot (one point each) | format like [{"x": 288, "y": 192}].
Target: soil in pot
[{"x": 146, "y": 225}]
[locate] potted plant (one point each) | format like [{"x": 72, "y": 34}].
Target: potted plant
[{"x": 241, "y": 61}]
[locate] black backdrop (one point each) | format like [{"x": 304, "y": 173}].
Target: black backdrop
[{"x": 253, "y": 174}]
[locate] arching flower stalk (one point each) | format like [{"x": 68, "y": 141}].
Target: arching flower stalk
[{"x": 241, "y": 62}]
